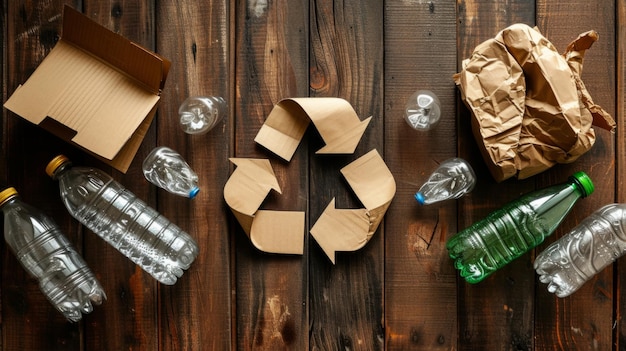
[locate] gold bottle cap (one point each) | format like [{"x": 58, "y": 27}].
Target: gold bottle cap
[
  {"x": 55, "y": 163},
  {"x": 6, "y": 194}
]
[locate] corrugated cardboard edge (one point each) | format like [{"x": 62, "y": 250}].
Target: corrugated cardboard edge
[
  {"x": 280, "y": 232},
  {"x": 350, "y": 229},
  {"x": 145, "y": 69},
  {"x": 334, "y": 118},
  {"x": 125, "y": 156}
]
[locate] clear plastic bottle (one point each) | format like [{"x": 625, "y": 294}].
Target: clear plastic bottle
[
  {"x": 48, "y": 255},
  {"x": 519, "y": 226},
  {"x": 599, "y": 240},
  {"x": 199, "y": 114},
  {"x": 451, "y": 180},
  {"x": 423, "y": 110},
  {"x": 167, "y": 169},
  {"x": 136, "y": 230}
]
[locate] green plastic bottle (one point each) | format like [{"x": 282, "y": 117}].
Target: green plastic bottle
[{"x": 519, "y": 226}]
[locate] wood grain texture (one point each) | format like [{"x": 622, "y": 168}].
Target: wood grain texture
[
  {"x": 561, "y": 321},
  {"x": 420, "y": 281},
  {"x": 346, "y": 300},
  {"x": 32, "y": 31},
  {"x": 619, "y": 337},
  {"x": 195, "y": 36},
  {"x": 126, "y": 285},
  {"x": 506, "y": 297},
  {"x": 271, "y": 302}
]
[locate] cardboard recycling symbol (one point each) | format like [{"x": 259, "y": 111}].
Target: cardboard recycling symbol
[{"x": 335, "y": 229}]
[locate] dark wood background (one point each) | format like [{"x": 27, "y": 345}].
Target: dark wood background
[{"x": 400, "y": 292}]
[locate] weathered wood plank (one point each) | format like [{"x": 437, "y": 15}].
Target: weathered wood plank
[
  {"x": 420, "y": 281},
  {"x": 133, "y": 322},
  {"x": 346, "y": 300},
  {"x": 585, "y": 319},
  {"x": 497, "y": 313},
  {"x": 30, "y": 322},
  {"x": 400, "y": 291},
  {"x": 195, "y": 314},
  {"x": 620, "y": 112},
  {"x": 271, "y": 64}
]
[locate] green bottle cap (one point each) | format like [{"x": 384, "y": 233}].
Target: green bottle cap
[{"x": 584, "y": 182}]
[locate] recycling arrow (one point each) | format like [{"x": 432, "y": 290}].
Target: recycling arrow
[
  {"x": 349, "y": 230},
  {"x": 269, "y": 231},
  {"x": 334, "y": 118},
  {"x": 336, "y": 229}
]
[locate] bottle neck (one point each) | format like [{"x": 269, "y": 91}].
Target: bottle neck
[
  {"x": 8, "y": 201},
  {"x": 574, "y": 182},
  {"x": 60, "y": 170},
  {"x": 572, "y": 190},
  {"x": 559, "y": 202}
]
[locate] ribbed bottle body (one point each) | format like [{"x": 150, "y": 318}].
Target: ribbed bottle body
[
  {"x": 595, "y": 243},
  {"x": 46, "y": 254},
  {"x": 168, "y": 170},
  {"x": 127, "y": 223},
  {"x": 451, "y": 180},
  {"x": 511, "y": 231}
]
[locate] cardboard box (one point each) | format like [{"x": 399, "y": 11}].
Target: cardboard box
[{"x": 95, "y": 89}]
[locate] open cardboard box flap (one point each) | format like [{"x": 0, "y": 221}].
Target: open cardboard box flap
[{"x": 95, "y": 89}]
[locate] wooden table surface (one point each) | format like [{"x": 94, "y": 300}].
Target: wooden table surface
[{"x": 399, "y": 292}]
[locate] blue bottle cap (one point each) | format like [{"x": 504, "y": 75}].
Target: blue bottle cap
[
  {"x": 194, "y": 192},
  {"x": 420, "y": 198}
]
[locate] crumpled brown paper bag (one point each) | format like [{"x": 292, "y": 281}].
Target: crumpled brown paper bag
[{"x": 530, "y": 108}]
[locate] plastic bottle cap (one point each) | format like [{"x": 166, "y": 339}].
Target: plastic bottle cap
[
  {"x": 55, "y": 163},
  {"x": 420, "y": 198},
  {"x": 584, "y": 182},
  {"x": 194, "y": 192},
  {"x": 6, "y": 194}
]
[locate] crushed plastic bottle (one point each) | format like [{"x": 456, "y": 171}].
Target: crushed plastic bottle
[
  {"x": 569, "y": 262},
  {"x": 127, "y": 223},
  {"x": 423, "y": 110},
  {"x": 519, "y": 226},
  {"x": 199, "y": 114},
  {"x": 167, "y": 169},
  {"x": 46, "y": 254},
  {"x": 451, "y": 180}
]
